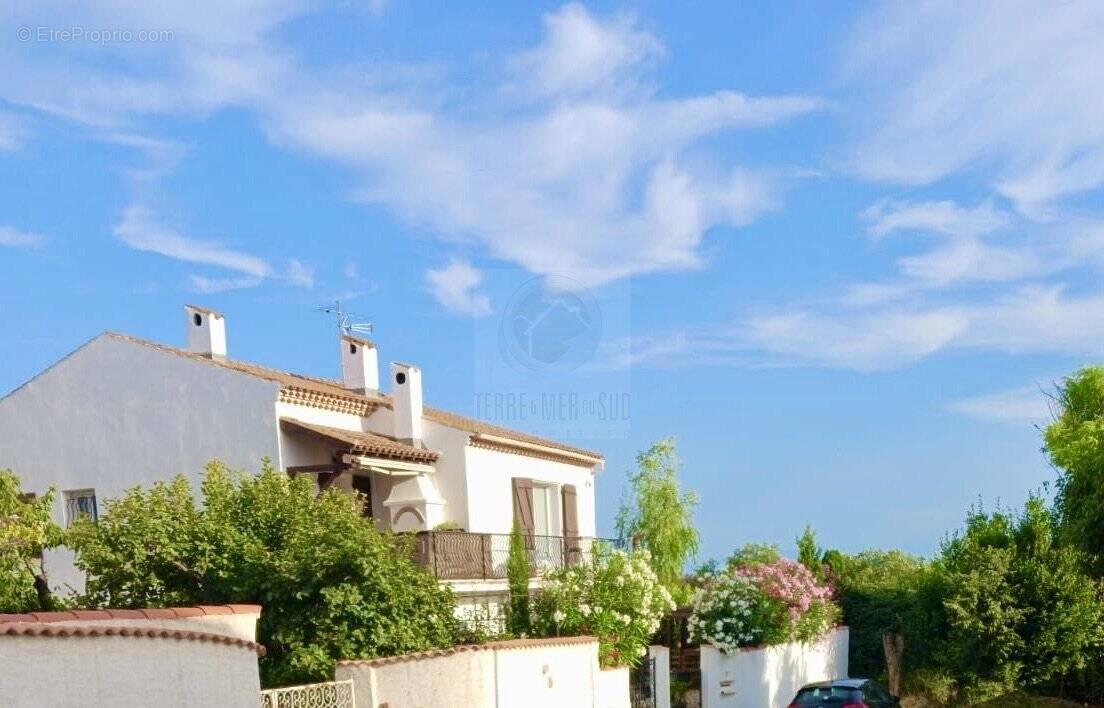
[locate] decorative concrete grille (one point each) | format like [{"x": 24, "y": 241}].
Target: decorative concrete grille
[{"x": 333, "y": 694}]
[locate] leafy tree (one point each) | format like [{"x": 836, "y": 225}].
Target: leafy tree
[
  {"x": 1018, "y": 608},
  {"x": 658, "y": 516},
  {"x": 1075, "y": 444},
  {"x": 518, "y": 570},
  {"x": 754, "y": 554},
  {"x": 808, "y": 554},
  {"x": 26, "y": 529},
  {"x": 332, "y": 586},
  {"x": 883, "y": 594}
]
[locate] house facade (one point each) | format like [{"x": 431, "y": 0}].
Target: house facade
[{"x": 121, "y": 411}]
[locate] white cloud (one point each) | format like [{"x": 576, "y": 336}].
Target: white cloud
[
  {"x": 208, "y": 286},
  {"x": 580, "y": 54},
  {"x": 140, "y": 230},
  {"x": 15, "y": 238},
  {"x": 1009, "y": 86},
  {"x": 11, "y": 135},
  {"x": 1025, "y": 405},
  {"x": 943, "y": 217},
  {"x": 454, "y": 286},
  {"x": 564, "y": 159},
  {"x": 299, "y": 274}
]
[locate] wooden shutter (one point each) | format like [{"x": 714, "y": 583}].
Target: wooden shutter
[
  {"x": 523, "y": 505},
  {"x": 570, "y": 511},
  {"x": 572, "y": 551}
]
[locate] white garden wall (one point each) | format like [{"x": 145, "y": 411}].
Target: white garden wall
[
  {"x": 533, "y": 673},
  {"x": 770, "y": 677},
  {"x": 613, "y": 689},
  {"x": 130, "y": 659}
]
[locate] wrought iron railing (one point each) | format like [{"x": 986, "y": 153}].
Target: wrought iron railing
[
  {"x": 332, "y": 694},
  {"x": 461, "y": 555}
]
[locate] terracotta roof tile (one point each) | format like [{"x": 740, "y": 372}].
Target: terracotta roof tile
[
  {"x": 39, "y": 629},
  {"x": 309, "y": 389},
  {"x": 147, "y": 613},
  {"x": 365, "y": 443}
]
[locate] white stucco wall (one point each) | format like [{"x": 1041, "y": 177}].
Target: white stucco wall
[
  {"x": 130, "y": 671},
  {"x": 533, "y": 674},
  {"x": 115, "y": 414},
  {"x": 770, "y": 677},
  {"x": 490, "y": 494},
  {"x": 613, "y": 689}
]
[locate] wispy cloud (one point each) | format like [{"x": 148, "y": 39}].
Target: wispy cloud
[
  {"x": 141, "y": 230},
  {"x": 1008, "y": 86},
  {"x": 454, "y": 286},
  {"x": 15, "y": 238},
  {"x": 1024, "y": 405},
  {"x": 11, "y": 135}
]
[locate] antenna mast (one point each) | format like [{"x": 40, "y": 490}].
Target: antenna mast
[{"x": 347, "y": 322}]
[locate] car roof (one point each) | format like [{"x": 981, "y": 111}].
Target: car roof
[{"x": 844, "y": 683}]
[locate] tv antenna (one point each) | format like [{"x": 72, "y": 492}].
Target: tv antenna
[{"x": 346, "y": 321}]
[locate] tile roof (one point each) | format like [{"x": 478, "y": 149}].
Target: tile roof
[
  {"x": 309, "y": 390},
  {"x": 365, "y": 443}
]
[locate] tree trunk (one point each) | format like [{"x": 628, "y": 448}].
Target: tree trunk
[{"x": 894, "y": 646}]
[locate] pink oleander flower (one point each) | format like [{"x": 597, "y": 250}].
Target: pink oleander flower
[{"x": 788, "y": 582}]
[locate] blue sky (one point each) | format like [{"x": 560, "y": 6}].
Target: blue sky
[{"x": 837, "y": 252}]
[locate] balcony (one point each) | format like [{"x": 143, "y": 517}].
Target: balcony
[{"x": 460, "y": 555}]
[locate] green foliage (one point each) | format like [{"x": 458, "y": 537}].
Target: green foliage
[
  {"x": 659, "y": 516},
  {"x": 1018, "y": 609},
  {"x": 808, "y": 554},
  {"x": 331, "y": 585},
  {"x": 883, "y": 592},
  {"x": 26, "y": 528},
  {"x": 616, "y": 597},
  {"x": 518, "y": 570},
  {"x": 754, "y": 554},
  {"x": 1075, "y": 444}
]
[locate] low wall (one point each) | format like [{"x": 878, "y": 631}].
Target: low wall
[
  {"x": 613, "y": 689},
  {"x": 770, "y": 677},
  {"x": 131, "y": 658},
  {"x": 534, "y": 673}
]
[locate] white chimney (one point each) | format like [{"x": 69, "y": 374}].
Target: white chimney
[
  {"x": 206, "y": 331},
  {"x": 406, "y": 401},
  {"x": 359, "y": 365}
]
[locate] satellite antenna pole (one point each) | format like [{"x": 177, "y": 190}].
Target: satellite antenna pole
[{"x": 346, "y": 321}]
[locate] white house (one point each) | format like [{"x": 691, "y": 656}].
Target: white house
[{"x": 120, "y": 412}]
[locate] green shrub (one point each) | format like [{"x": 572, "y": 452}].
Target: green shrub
[
  {"x": 331, "y": 585},
  {"x": 518, "y": 570},
  {"x": 26, "y": 528}
]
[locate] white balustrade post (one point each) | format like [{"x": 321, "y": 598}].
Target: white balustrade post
[{"x": 660, "y": 657}]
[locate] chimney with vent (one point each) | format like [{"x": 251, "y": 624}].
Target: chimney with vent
[
  {"x": 406, "y": 400},
  {"x": 206, "y": 331},
  {"x": 359, "y": 365}
]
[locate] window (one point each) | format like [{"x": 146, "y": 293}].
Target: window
[
  {"x": 80, "y": 504},
  {"x": 542, "y": 511}
]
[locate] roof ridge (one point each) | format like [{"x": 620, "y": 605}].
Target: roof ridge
[{"x": 329, "y": 387}]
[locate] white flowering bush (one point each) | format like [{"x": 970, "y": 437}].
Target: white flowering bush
[
  {"x": 616, "y": 597},
  {"x": 731, "y": 612}
]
